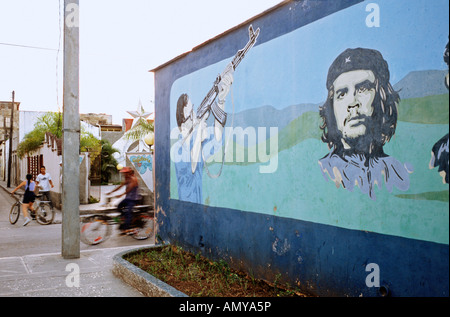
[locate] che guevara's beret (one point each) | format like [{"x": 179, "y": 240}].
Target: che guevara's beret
[{"x": 358, "y": 59}]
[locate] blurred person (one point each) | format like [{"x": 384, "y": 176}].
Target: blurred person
[{"x": 131, "y": 197}]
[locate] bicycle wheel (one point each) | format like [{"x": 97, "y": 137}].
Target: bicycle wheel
[
  {"x": 95, "y": 230},
  {"x": 44, "y": 214},
  {"x": 14, "y": 213},
  {"x": 146, "y": 226}
]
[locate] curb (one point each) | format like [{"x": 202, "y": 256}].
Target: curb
[
  {"x": 6, "y": 190},
  {"x": 142, "y": 281}
]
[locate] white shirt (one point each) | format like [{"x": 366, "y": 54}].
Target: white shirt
[{"x": 44, "y": 181}]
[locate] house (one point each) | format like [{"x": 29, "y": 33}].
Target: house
[{"x": 49, "y": 154}]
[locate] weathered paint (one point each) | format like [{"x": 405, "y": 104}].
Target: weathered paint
[{"x": 293, "y": 220}]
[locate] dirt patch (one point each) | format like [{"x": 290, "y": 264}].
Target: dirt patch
[{"x": 197, "y": 276}]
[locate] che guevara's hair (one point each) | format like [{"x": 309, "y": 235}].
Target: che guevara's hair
[{"x": 384, "y": 118}]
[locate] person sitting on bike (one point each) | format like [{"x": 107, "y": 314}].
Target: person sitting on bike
[
  {"x": 131, "y": 196},
  {"x": 28, "y": 197}
]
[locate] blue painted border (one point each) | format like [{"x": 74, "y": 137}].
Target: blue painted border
[{"x": 327, "y": 260}]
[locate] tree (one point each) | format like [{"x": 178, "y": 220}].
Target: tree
[
  {"x": 140, "y": 130},
  {"x": 89, "y": 143},
  {"x": 108, "y": 163},
  {"x": 49, "y": 122},
  {"x": 52, "y": 122}
]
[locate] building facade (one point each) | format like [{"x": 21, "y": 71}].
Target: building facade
[
  {"x": 5, "y": 128},
  {"x": 327, "y": 172}
]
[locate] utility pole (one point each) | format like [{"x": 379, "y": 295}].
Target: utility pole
[
  {"x": 11, "y": 128},
  {"x": 71, "y": 134}
]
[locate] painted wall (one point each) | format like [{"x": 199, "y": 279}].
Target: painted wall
[{"x": 334, "y": 154}]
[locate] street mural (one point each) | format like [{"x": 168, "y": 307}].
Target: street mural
[
  {"x": 331, "y": 123},
  {"x": 143, "y": 163},
  {"x": 195, "y": 137}
]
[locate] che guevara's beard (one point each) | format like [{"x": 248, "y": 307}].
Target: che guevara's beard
[
  {"x": 359, "y": 145},
  {"x": 366, "y": 143},
  {"x": 352, "y": 119}
]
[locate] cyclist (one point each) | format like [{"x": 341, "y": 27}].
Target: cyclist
[
  {"x": 28, "y": 197},
  {"x": 131, "y": 197}
]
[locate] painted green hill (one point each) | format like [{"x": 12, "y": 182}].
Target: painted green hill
[
  {"x": 301, "y": 128},
  {"x": 425, "y": 110},
  {"x": 304, "y": 127}
]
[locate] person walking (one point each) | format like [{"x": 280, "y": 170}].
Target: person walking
[
  {"x": 44, "y": 181},
  {"x": 28, "y": 198}
]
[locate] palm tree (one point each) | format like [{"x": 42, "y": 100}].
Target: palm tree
[
  {"x": 141, "y": 127},
  {"x": 108, "y": 163},
  {"x": 51, "y": 122},
  {"x": 140, "y": 130}
]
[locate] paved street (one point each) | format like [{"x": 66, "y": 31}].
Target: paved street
[{"x": 31, "y": 263}]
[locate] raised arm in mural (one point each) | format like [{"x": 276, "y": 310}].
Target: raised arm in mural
[
  {"x": 359, "y": 118},
  {"x": 190, "y": 150},
  {"x": 208, "y": 104},
  {"x": 214, "y": 101},
  {"x": 218, "y": 110}
]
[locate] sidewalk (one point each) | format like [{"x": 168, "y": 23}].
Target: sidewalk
[{"x": 50, "y": 275}]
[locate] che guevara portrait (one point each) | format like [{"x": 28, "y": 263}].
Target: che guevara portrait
[{"x": 358, "y": 118}]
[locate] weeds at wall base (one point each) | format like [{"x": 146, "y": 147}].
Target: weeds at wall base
[{"x": 197, "y": 276}]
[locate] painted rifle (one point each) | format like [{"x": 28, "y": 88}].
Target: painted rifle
[{"x": 208, "y": 104}]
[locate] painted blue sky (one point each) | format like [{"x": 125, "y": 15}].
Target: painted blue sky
[{"x": 292, "y": 69}]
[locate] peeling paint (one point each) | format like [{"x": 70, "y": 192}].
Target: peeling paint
[{"x": 280, "y": 247}]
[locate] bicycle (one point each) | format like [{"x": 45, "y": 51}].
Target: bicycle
[
  {"x": 96, "y": 229},
  {"x": 43, "y": 212}
]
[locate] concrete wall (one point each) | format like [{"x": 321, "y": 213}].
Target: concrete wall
[
  {"x": 5, "y": 118},
  {"x": 85, "y": 183},
  {"x": 332, "y": 175}
]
